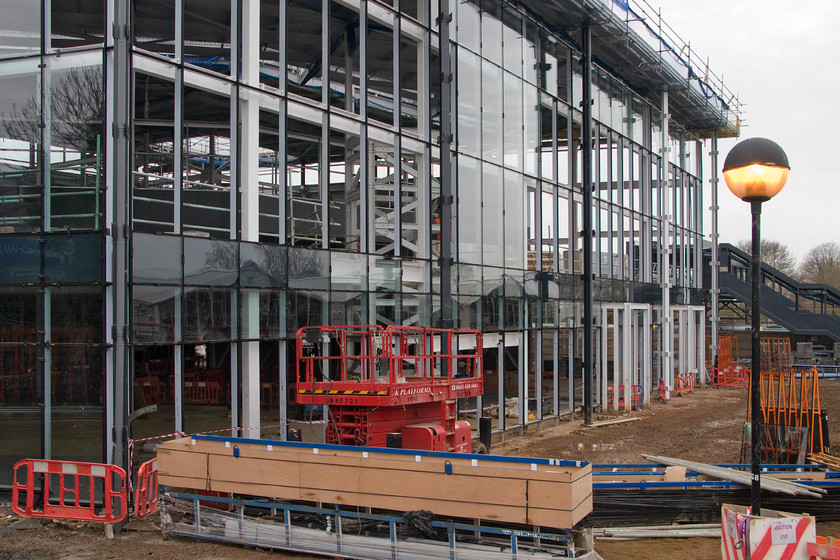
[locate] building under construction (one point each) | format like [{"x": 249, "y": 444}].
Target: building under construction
[{"x": 186, "y": 183}]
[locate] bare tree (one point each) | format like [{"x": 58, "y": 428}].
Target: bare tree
[
  {"x": 77, "y": 103},
  {"x": 821, "y": 265},
  {"x": 773, "y": 253}
]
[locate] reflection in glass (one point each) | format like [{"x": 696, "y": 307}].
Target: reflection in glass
[
  {"x": 469, "y": 103},
  {"x": 20, "y": 259},
  {"x": 262, "y": 266},
  {"x": 469, "y": 211},
  {"x": 156, "y": 259},
  {"x": 210, "y": 263},
  {"x": 153, "y": 316},
  {"x": 20, "y": 140},
  {"x": 514, "y": 226},
  {"x": 73, "y": 258},
  {"x": 309, "y": 269},
  {"x": 207, "y": 314},
  {"x": 492, "y": 209},
  {"x": 491, "y": 114}
]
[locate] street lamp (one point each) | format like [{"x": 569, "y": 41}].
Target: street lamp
[{"x": 755, "y": 170}]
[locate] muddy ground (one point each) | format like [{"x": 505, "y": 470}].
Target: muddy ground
[{"x": 705, "y": 425}]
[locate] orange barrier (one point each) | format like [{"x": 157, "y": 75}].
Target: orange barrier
[
  {"x": 732, "y": 376},
  {"x": 662, "y": 392},
  {"x": 202, "y": 392},
  {"x": 146, "y": 495},
  {"x": 69, "y": 490},
  {"x": 635, "y": 397},
  {"x": 683, "y": 383},
  {"x": 153, "y": 389}
]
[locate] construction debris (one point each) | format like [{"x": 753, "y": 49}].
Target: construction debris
[{"x": 741, "y": 477}]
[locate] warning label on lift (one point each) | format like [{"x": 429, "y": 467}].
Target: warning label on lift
[{"x": 405, "y": 391}]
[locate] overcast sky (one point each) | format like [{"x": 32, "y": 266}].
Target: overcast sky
[{"x": 780, "y": 57}]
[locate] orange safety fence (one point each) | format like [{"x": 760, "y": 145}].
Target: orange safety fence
[
  {"x": 732, "y": 376},
  {"x": 202, "y": 392},
  {"x": 635, "y": 396},
  {"x": 146, "y": 494},
  {"x": 69, "y": 490},
  {"x": 683, "y": 383}
]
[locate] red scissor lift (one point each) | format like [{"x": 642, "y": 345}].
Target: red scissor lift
[{"x": 379, "y": 382}]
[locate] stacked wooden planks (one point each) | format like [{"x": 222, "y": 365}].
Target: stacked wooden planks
[{"x": 541, "y": 492}]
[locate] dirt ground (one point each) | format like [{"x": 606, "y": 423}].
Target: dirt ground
[{"x": 705, "y": 425}]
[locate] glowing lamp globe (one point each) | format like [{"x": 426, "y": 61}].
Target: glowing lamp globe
[{"x": 756, "y": 169}]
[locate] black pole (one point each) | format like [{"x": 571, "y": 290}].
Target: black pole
[
  {"x": 755, "y": 376},
  {"x": 586, "y": 188}
]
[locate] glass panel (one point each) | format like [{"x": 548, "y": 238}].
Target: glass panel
[
  {"x": 154, "y": 26},
  {"x": 262, "y": 266},
  {"x": 207, "y": 387},
  {"x": 469, "y": 212},
  {"x": 76, "y": 258},
  {"x": 512, "y": 35},
  {"x": 344, "y": 70},
  {"x": 413, "y": 210},
  {"x": 153, "y": 316},
  {"x": 347, "y": 272},
  {"x": 156, "y": 259},
  {"x": 469, "y": 103},
  {"x": 514, "y": 220},
  {"x": 77, "y": 389},
  {"x": 77, "y": 97},
  {"x": 469, "y": 30},
  {"x": 306, "y": 309},
  {"x": 153, "y": 368},
  {"x": 345, "y": 194},
  {"x": 77, "y": 315},
  {"x": 492, "y": 208},
  {"x": 309, "y": 269},
  {"x": 20, "y": 260},
  {"x": 380, "y": 72},
  {"x": 22, "y": 28},
  {"x": 513, "y": 121},
  {"x": 531, "y": 109},
  {"x": 529, "y": 52},
  {"x": 270, "y": 73},
  {"x": 491, "y": 30},
  {"x": 381, "y": 190},
  {"x": 207, "y": 35},
  {"x": 491, "y": 113},
  {"x": 206, "y": 314},
  {"x": 153, "y": 165},
  {"x": 411, "y": 53},
  {"x": 76, "y": 23},
  {"x": 206, "y": 167},
  {"x": 385, "y": 274},
  {"x": 303, "y": 181},
  {"x": 303, "y": 48},
  {"x": 20, "y": 138},
  {"x": 210, "y": 263},
  {"x": 270, "y": 175},
  {"x": 549, "y": 230}
]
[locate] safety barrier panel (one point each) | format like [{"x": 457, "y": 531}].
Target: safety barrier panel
[
  {"x": 683, "y": 383},
  {"x": 69, "y": 490},
  {"x": 202, "y": 392},
  {"x": 153, "y": 389},
  {"x": 635, "y": 397},
  {"x": 663, "y": 393},
  {"x": 733, "y": 376},
  {"x": 774, "y": 535},
  {"x": 146, "y": 495}
]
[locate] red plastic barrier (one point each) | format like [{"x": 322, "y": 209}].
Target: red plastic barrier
[
  {"x": 635, "y": 397},
  {"x": 662, "y": 392},
  {"x": 146, "y": 495},
  {"x": 62, "y": 484},
  {"x": 202, "y": 392},
  {"x": 732, "y": 376}
]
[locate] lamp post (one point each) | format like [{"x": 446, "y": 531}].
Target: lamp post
[{"x": 755, "y": 170}]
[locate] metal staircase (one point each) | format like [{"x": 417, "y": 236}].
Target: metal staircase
[{"x": 802, "y": 309}]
